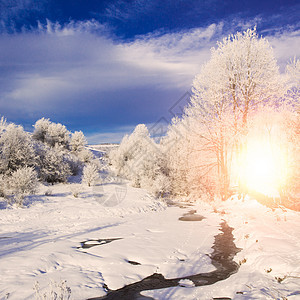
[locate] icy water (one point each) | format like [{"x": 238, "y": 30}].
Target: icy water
[
  {"x": 191, "y": 216},
  {"x": 92, "y": 243},
  {"x": 222, "y": 256}
]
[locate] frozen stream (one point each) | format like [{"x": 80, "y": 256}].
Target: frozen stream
[
  {"x": 222, "y": 256},
  {"x": 134, "y": 247}
]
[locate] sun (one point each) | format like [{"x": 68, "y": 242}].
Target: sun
[{"x": 263, "y": 167}]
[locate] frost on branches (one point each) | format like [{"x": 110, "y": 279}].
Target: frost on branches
[
  {"x": 139, "y": 159},
  {"x": 51, "y": 154},
  {"x": 238, "y": 85},
  {"x": 90, "y": 174},
  {"x": 22, "y": 182}
]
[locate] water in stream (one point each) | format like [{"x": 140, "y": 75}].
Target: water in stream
[{"x": 224, "y": 251}]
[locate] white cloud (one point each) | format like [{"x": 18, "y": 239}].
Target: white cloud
[
  {"x": 286, "y": 45},
  {"x": 58, "y": 68},
  {"x": 109, "y": 136}
]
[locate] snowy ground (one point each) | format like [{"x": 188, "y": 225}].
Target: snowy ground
[{"x": 43, "y": 242}]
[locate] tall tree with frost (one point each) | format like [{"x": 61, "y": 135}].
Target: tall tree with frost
[
  {"x": 241, "y": 76},
  {"x": 242, "y": 73}
]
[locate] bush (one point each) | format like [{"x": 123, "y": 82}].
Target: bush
[
  {"x": 78, "y": 141},
  {"x": 23, "y": 182},
  {"x": 90, "y": 174},
  {"x": 2, "y": 186},
  {"x": 55, "y": 291},
  {"x": 53, "y": 164},
  {"x": 16, "y": 149},
  {"x": 53, "y": 134}
]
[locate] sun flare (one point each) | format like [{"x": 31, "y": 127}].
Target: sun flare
[{"x": 263, "y": 167}]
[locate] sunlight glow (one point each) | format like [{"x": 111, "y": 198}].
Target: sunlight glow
[{"x": 263, "y": 167}]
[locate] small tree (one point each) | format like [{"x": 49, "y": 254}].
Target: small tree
[
  {"x": 51, "y": 133},
  {"x": 40, "y": 129},
  {"x": 57, "y": 134},
  {"x": 16, "y": 149},
  {"x": 53, "y": 164},
  {"x": 90, "y": 174},
  {"x": 3, "y": 183},
  {"x": 78, "y": 141},
  {"x": 23, "y": 182}
]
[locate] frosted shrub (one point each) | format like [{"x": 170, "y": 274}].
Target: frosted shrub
[
  {"x": 55, "y": 291},
  {"x": 75, "y": 190},
  {"x": 16, "y": 149},
  {"x": 78, "y": 141},
  {"x": 40, "y": 129},
  {"x": 23, "y": 182},
  {"x": 74, "y": 163},
  {"x": 90, "y": 174},
  {"x": 2, "y": 186},
  {"x": 53, "y": 165},
  {"x": 53, "y": 134},
  {"x": 85, "y": 155},
  {"x": 138, "y": 158},
  {"x": 57, "y": 134}
]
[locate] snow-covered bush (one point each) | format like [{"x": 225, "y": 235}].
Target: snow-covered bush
[
  {"x": 85, "y": 155},
  {"x": 75, "y": 190},
  {"x": 54, "y": 291},
  {"x": 74, "y": 163},
  {"x": 40, "y": 129},
  {"x": 22, "y": 182},
  {"x": 78, "y": 141},
  {"x": 90, "y": 174},
  {"x": 3, "y": 185},
  {"x": 51, "y": 133},
  {"x": 139, "y": 159},
  {"x": 57, "y": 134},
  {"x": 53, "y": 164},
  {"x": 16, "y": 149}
]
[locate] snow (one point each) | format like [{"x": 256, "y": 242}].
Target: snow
[
  {"x": 43, "y": 242},
  {"x": 270, "y": 242}
]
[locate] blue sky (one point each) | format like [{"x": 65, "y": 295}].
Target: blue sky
[{"x": 105, "y": 66}]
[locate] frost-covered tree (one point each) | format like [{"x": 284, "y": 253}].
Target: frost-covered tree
[
  {"x": 51, "y": 133},
  {"x": 139, "y": 159},
  {"x": 85, "y": 156},
  {"x": 3, "y": 185},
  {"x": 57, "y": 134},
  {"x": 242, "y": 72},
  {"x": 53, "y": 165},
  {"x": 78, "y": 141},
  {"x": 23, "y": 182},
  {"x": 293, "y": 78},
  {"x": 16, "y": 149},
  {"x": 241, "y": 77},
  {"x": 90, "y": 174},
  {"x": 40, "y": 129}
]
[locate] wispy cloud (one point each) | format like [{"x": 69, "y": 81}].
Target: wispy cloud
[{"x": 80, "y": 69}]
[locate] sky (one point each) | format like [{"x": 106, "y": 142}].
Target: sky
[{"x": 105, "y": 66}]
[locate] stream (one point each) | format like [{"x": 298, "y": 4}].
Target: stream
[{"x": 222, "y": 256}]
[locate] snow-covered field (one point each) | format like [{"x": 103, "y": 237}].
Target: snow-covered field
[{"x": 44, "y": 242}]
